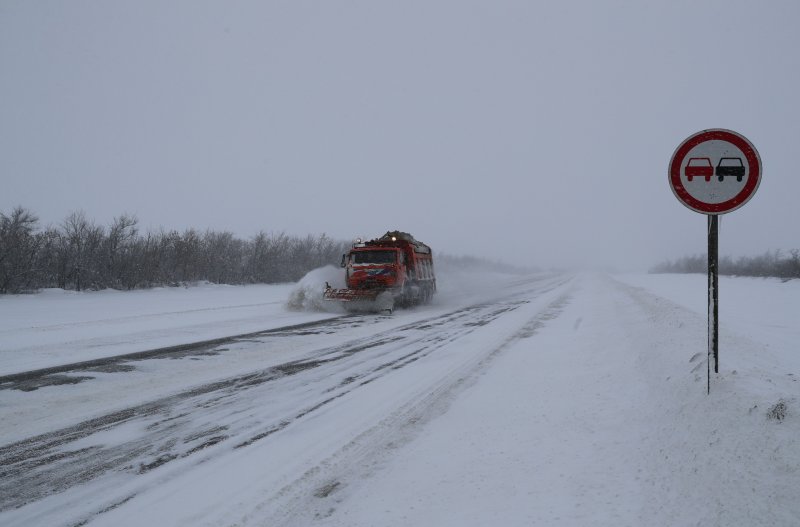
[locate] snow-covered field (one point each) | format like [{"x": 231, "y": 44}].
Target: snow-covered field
[
  {"x": 56, "y": 326},
  {"x": 540, "y": 400}
]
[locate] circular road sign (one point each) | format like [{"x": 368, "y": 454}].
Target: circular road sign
[{"x": 715, "y": 171}]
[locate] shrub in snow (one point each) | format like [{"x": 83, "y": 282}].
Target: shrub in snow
[{"x": 777, "y": 412}]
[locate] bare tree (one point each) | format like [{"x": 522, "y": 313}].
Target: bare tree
[
  {"x": 18, "y": 249},
  {"x": 117, "y": 248},
  {"x": 224, "y": 256},
  {"x": 259, "y": 259},
  {"x": 79, "y": 252}
]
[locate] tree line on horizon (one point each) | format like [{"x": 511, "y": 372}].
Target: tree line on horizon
[
  {"x": 81, "y": 255},
  {"x": 775, "y": 264}
]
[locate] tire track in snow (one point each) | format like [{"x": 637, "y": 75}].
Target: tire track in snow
[
  {"x": 168, "y": 429},
  {"x": 314, "y": 494},
  {"x": 35, "y": 379}
]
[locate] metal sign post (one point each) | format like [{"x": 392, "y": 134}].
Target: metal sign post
[
  {"x": 714, "y": 172},
  {"x": 713, "y": 295}
]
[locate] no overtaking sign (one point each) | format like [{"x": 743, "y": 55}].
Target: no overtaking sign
[{"x": 715, "y": 171}]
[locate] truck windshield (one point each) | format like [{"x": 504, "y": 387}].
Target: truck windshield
[{"x": 373, "y": 257}]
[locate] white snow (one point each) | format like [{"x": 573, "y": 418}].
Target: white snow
[
  {"x": 600, "y": 420},
  {"x": 572, "y": 401},
  {"x": 57, "y": 327}
]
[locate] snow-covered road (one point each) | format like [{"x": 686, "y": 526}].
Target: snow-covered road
[{"x": 543, "y": 400}]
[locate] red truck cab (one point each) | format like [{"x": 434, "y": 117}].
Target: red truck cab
[
  {"x": 374, "y": 267},
  {"x": 395, "y": 264}
]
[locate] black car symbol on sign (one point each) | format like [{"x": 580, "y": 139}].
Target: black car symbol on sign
[{"x": 730, "y": 166}]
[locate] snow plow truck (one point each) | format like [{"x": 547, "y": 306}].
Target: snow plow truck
[{"x": 394, "y": 270}]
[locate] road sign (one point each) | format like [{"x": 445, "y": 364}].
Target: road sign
[{"x": 715, "y": 171}]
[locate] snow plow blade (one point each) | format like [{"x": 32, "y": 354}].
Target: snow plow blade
[
  {"x": 349, "y": 295},
  {"x": 369, "y": 300}
]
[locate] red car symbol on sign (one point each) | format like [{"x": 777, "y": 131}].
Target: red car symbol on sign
[{"x": 699, "y": 167}]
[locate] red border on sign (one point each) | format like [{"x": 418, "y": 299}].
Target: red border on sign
[{"x": 753, "y": 179}]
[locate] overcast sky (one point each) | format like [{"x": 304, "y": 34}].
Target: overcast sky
[{"x": 532, "y": 132}]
